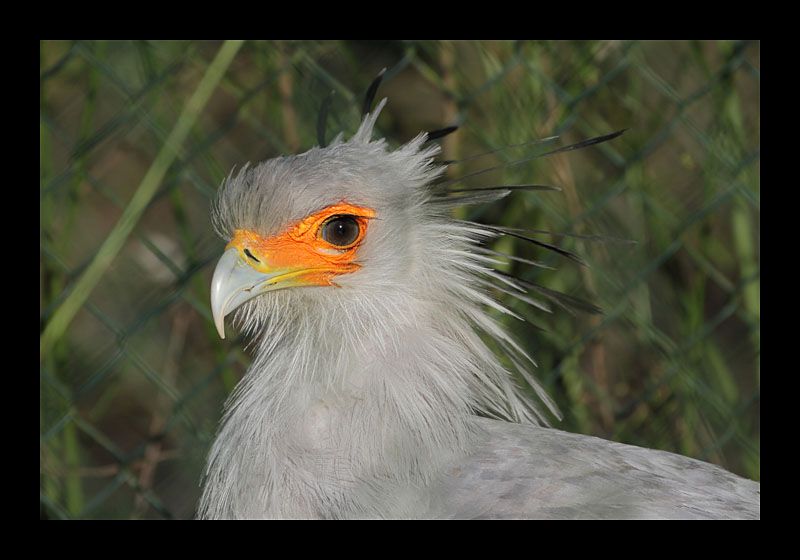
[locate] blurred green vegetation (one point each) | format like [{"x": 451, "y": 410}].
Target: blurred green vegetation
[{"x": 131, "y": 394}]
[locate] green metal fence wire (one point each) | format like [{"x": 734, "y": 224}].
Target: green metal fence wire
[{"x": 131, "y": 387}]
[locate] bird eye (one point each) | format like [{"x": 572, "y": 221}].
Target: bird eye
[{"x": 341, "y": 231}]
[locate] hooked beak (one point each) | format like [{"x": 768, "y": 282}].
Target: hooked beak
[
  {"x": 237, "y": 279},
  {"x": 235, "y": 282}
]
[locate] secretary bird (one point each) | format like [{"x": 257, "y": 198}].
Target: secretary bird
[{"x": 372, "y": 392}]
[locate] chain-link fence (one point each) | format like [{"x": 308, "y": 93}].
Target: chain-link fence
[{"x": 132, "y": 373}]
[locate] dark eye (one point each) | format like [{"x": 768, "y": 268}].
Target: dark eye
[{"x": 340, "y": 231}]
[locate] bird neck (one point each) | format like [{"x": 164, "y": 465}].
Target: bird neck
[{"x": 336, "y": 408}]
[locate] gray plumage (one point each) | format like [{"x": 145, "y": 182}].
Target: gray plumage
[
  {"x": 530, "y": 472},
  {"x": 362, "y": 396}
]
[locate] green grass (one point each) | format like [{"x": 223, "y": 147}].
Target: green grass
[{"x": 131, "y": 384}]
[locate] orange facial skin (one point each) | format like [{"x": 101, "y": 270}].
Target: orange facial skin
[{"x": 298, "y": 255}]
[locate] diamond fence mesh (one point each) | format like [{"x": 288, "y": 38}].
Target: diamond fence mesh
[{"x": 131, "y": 384}]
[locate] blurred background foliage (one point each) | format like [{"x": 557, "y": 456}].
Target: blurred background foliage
[{"x": 131, "y": 392}]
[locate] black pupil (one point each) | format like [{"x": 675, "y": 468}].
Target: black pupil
[{"x": 341, "y": 231}]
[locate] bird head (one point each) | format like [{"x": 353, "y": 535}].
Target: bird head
[
  {"x": 341, "y": 217},
  {"x": 347, "y": 264}
]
